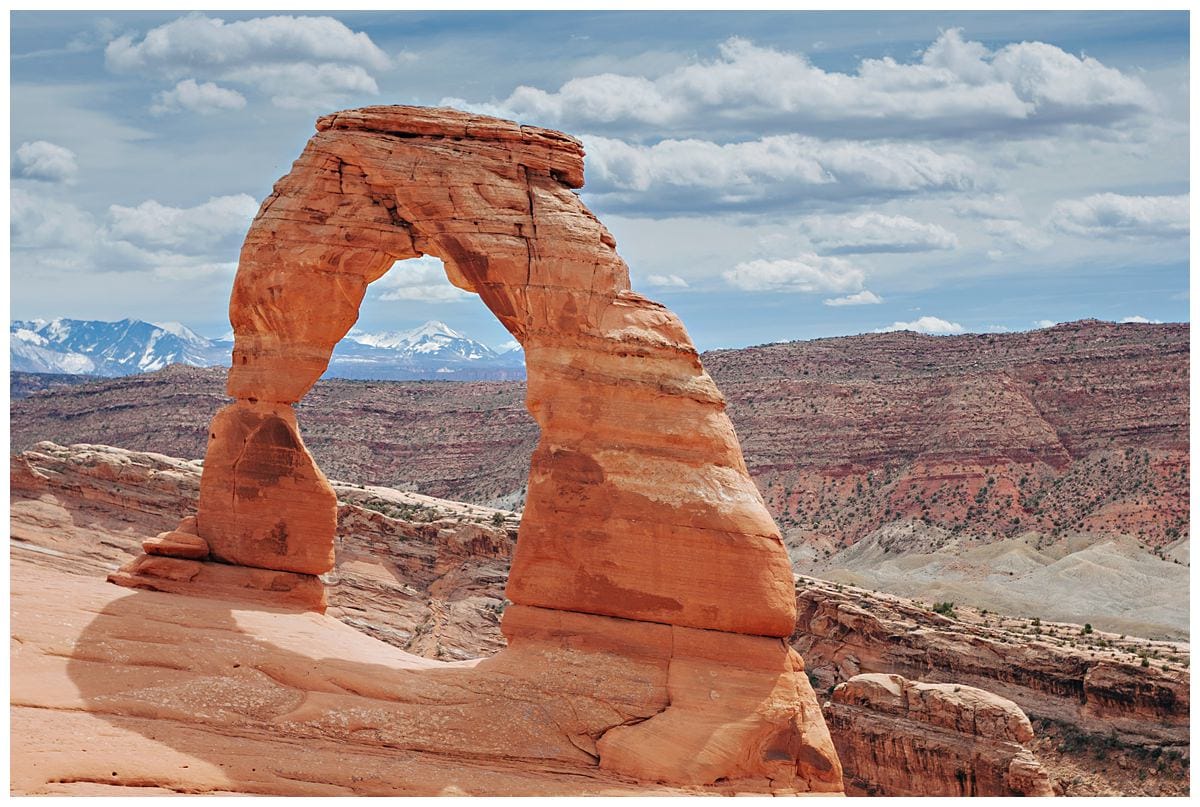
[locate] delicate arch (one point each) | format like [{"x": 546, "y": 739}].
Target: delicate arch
[{"x": 639, "y": 503}]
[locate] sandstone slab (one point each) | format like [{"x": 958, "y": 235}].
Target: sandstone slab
[
  {"x": 222, "y": 581},
  {"x": 176, "y": 544},
  {"x": 214, "y": 681}
]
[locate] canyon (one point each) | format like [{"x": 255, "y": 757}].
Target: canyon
[{"x": 1085, "y": 490}]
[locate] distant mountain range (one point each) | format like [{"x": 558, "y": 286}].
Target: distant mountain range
[{"x": 90, "y": 347}]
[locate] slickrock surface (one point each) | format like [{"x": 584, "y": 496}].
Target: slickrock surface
[
  {"x": 117, "y": 692},
  {"x": 897, "y": 737},
  {"x": 423, "y": 574},
  {"x": 427, "y": 576},
  {"x": 242, "y": 680},
  {"x": 643, "y": 539}
]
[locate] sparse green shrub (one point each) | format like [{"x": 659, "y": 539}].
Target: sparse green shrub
[{"x": 945, "y": 609}]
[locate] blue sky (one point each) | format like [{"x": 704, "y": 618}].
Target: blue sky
[{"x": 770, "y": 176}]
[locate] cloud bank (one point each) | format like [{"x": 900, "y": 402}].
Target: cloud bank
[
  {"x": 1111, "y": 215},
  {"x": 956, "y": 88},
  {"x": 298, "y": 61}
]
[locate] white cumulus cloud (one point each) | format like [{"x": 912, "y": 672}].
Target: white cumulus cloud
[
  {"x": 694, "y": 175},
  {"x": 1140, "y": 319},
  {"x": 45, "y": 161},
  {"x": 926, "y": 324},
  {"x": 805, "y": 273},
  {"x": 864, "y": 297},
  {"x": 154, "y": 224},
  {"x": 295, "y": 60},
  {"x": 421, "y": 279},
  {"x": 667, "y": 281},
  {"x": 51, "y": 235},
  {"x": 875, "y": 232},
  {"x": 957, "y": 87},
  {"x": 38, "y": 222},
  {"x": 1111, "y": 215},
  {"x": 204, "y": 98},
  {"x": 302, "y": 86}
]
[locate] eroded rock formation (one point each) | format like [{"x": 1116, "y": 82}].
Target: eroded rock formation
[
  {"x": 1098, "y": 687},
  {"x": 906, "y": 738},
  {"x": 642, "y": 528}
]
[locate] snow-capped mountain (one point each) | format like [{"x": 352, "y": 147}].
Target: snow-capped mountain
[
  {"x": 107, "y": 348},
  {"x": 433, "y": 350},
  {"x": 88, "y": 347},
  {"x": 433, "y": 339}
]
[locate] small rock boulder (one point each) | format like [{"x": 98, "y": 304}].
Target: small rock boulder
[{"x": 176, "y": 544}]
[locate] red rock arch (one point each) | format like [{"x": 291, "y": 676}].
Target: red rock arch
[
  {"x": 650, "y": 586},
  {"x": 639, "y": 502}
]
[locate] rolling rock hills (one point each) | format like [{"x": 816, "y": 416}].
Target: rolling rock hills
[
  {"x": 983, "y": 469},
  {"x": 918, "y": 702}
]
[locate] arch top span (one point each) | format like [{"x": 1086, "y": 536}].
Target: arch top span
[
  {"x": 556, "y": 153},
  {"x": 491, "y": 198}
]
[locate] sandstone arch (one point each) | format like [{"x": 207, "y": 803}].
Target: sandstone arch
[{"x": 639, "y": 504}]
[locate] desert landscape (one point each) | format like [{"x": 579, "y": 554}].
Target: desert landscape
[
  {"x": 578, "y": 548},
  {"x": 1081, "y": 490},
  {"x": 426, "y": 576}
]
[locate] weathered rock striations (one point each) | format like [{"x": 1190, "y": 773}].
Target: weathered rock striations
[
  {"x": 1099, "y": 687},
  {"x": 1082, "y": 428},
  {"x": 423, "y": 574},
  {"x": 897, "y": 737},
  {"x": 641, "y": 519}
]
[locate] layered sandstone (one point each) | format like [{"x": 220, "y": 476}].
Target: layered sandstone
[
  {"x": 641, "y": 519},
  {"x": 897, "y": 737},
  {"x": 423, "y": 574},
  {"x": 1092, "y": 681}
]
